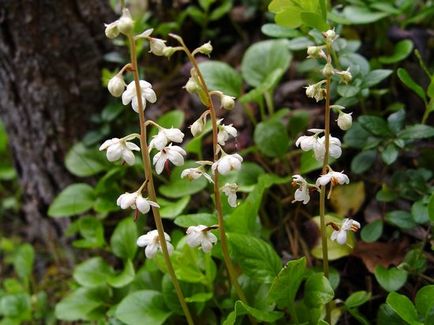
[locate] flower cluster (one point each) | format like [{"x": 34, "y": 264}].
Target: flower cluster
[{"x": 321, "y": 142}]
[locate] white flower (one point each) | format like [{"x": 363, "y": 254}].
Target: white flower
[
  {"x": 315, "y": 91},
  {"x": 345, "y": 76},
  {"x": 118, "y": 148},
  {"x": 302, "y": 193},
  {"x": 341, "y": 235},
  {"x": 227, "y": 163},
  {"x": 111, "y": 30},
  {"x": 315, "y": 52},
  {"x": 334, "y": 177},
  {"x": 195, "y": 173},
  {"x": 319, "y": 149},
  {"x": 165, "y": 136},
  {"x": 230, "y": 189},
  {"x": 191, "y": 86},
  {"x": 174, "y": 154},
  {"x": 152, "y": 243},
  {"x": 157, "y": 46},
  {"x": 308, "y": 142},
  {"x": 125, "y": 23},
  {"x": 197, "y": 127},
  {"x": 225, "y": 132},
  {"x": 345, "y": 120},
  {"x": 116, "y": 85},
  {"x": 330, "y": 35},
  {"x": 205, "y": 48},
  {"x": 133, "y": 200},
  {"x": 200, "y": 236},
  {"x": 130, "y": 95}
]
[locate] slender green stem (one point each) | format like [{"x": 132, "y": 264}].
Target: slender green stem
[
  {"x": 323, "y": 188},
  {"x": 269, "y": 101},
  {"x": 218, "y": 203},
  {"x": 151, "y": 189}
]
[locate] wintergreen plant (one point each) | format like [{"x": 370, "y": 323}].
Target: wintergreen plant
[{"x": 324, "y": 147}]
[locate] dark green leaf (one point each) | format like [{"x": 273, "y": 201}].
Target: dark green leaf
[
  {"x": 17, "y": 306},
  {"x": 357, "y": 299},
  {"x": 425, "y": 300},
  {"x": 362, "y": 15},
  {"x": 363, "y": 161},
  {"x": 401, "y": 219},
  {"x": 403, "y": 307},
  {"x": 317, "y": 290},
  {"x": 188, "y": 220},
  {"x": 407, "y": 80},
  {"x": 220, "y": 76},
  {"x": 256, "y": 257},
  {"x": 372, "y": 231},
  {"x": 417, "y": 131},
  {"x": 171, "y": 209},
  {"x": 82, "y": 161},
  {"x": 390, "y": 279},
  {"x": 261, "y": 315},
  {"x": 273, "y": 30},
  {"x": 348, "y": 90},
  {"x": 401, "y": 51},
  {"x": 143, "y": 307},
  {"x": 271, "y": 138},
  {"x": 73, "y": 200},
  {"x": 23, "y": 260},
  {"x": 419, "y": 212},
  {"x": 374, "y": 124},
  {"x": 390, "y": 154},
  {"x": 396, "y": 121},
  {"x": 123, "y": 240},
  {"x": 374, "y": 77},
  {"x": 123, "y": 278},
  {"x": 94, "y": 272}
]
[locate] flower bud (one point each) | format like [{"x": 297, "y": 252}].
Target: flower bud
[
  {"x": 228, "y": 102},
  {"x": 315, "y": 91},
  {"x": 345, "y": 76},
  {"x": 328, "y": 70},
  {"x": 125, "y": 23},
  {"x": 315, "y": 52},
  {"x": 168, "y": 51},
  {"x": 330, "y": 35},
  {"x": 191, "y": 86},
  {"x": 205, "y": 48},
  {"x": 116, "y": 85},
  {"x": 345, "y": 120},
  {"x": 197, "y": 127},
  {"x": 157, "y": 46},
  {"x": 111, "y": 30}
]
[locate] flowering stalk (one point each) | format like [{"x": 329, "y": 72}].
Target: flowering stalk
[
  {"x": 216, "y": 149},
  {"x": 150, "y": 184}
]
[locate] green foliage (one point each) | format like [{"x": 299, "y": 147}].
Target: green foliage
[{"x": 73, "y": 200}]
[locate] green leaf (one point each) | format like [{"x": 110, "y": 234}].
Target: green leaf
[
  {"x": 396, "y": 121},
  {"x": 417, "y": 131},
  {"x": 363, "y": 161},
  {"x": 431, "y": 208},
  {"x": 390, "y": 279},
  {"x": 199, "y": 297},
  {"x": 17, "y": 306},
  {"x": 143, "y": 307},
  {"x": 188, "y": 220},
  {"x": 314, "y": 20},
  {"x": 73, "y": 200},
  {"x": 220, "y": 76},
  {"x": 403, "y": 307},
  {"x": 172, "y": 119},
  {"x": 425, "y": 300},
  {"x": 285, "y": 285},
  {"x": 271, "y": 138},
  {"x": 123, "y": 278},
  {"x": 357, "y": 136},
  {"x": 407, "y": 80},
  {"x": 243, "y": 219},
  {"x": 92, "y": 273},
  {"x": 220, "y": 11},
  {"x": 92, "y": 231},
  {"x": 262, "y": 58},
  {"x": 362, "y": 15},
  {"x": 374, "y": 77},
  {"x": 241, "y": 308},
  {"x": 273, "y": 30},
  {"x": 390, "y": 154},
  {"x": 348, "y": 90},
  {"x": 401, "y": 219},
  {"x": 82, "y": 161},
  {"x": 400, "y": 52},
  {"x": 171, "y": 209},
  {"x": 123, "y": 240},
  {"x": 308, "y": 163},
  {"x": 318, "y": 290},
  {"x": 23, "y": 260},
  {"x": 372, "y": 231},
  {"x": 256, "y": 257},
  {"x": 357, "y": 299},
  {"x": 419, "y": 212},
  {"x": 180, "y": 187},
  {"x": 375, "y": 125},
  {"x": 79, "y": 304}
]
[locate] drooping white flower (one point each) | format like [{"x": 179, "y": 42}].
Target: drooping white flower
[
  {"x": 345, "y": 120},
  {"x": 230, "y": 190},
  {"x": 116, "y": 85},
  {"x": 227, "y": 163},
  {"x": 198, "y": 125},
  {"x": 302, "y": 193},
  {"x": 205, "y": 48},
  {"x": 111, "y": 30},
  {"x": 319, "y": 149},
  {"x": 340, "y": 236},
  {"x": 165, "y": 136},
  {"x": 330, "y": 35},
  {"x": 315, "y": 52},
  {"x": 345, "y": 76},
  {"x": 315, "y": 91},
  {"x": 130, "y": 95},
  {"x": 157, "y": 46},
  {"x": 152, "y": 243},
  {"x": 332, "y": 177},
  {"x": 228, "y": 102},
  {"x": 120, "y": 149},
  {"x": 225, "y": 132},
  {"x": 200, "y": 236},
  {"x": 174, "y": 154},
  {"x": 135, "y": 200},
  {"x": 125, "y": 23},
  {"x": 195, "y": 173},
  {"x": 308, "y": 142}
]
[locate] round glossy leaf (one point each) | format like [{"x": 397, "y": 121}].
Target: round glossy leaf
[{"x": 73, "y": 200}]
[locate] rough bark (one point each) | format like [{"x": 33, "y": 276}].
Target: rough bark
[{"x": 50, "y": 61}]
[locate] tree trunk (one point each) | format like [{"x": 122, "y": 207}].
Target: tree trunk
[{"x": 50, "y": 83}]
